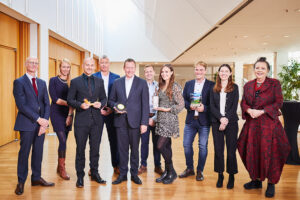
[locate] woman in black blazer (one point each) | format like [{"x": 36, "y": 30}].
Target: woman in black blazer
[{"x": 224, "y": 99}]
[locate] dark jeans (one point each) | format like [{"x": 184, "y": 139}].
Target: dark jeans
[
  {"x": 30, "y": 139},
  {"x": 112, "y": 137},
  {"x": 230, "y": 134},
  {"x": 82, "y": 133},
  {"x": 190, "y": 131},
  {"x": 128, "y": 138},
  {"x": 145, "y": 147}
]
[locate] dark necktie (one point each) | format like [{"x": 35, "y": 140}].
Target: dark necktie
[
  {"x": 90, "y": 86},
  {"x": 34, "y": 86}
]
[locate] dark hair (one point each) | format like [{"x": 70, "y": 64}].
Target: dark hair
[
  {"x": 162, "y": 82},
  {"x": 264, "y": 60},
  {"x": 147, "y": 66},
  {"x": 229, "y": 87},
  {"x": 129, "y": 60}
]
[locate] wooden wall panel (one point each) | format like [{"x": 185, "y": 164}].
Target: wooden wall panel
[{"x": 9, "y": 35}]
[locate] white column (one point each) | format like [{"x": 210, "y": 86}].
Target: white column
[
  {"x": 238, "y": 74},
  {"x": 44, "y": 57},
  {"x": 33, "y": 52},
  {"x": 282, "y": 59}
]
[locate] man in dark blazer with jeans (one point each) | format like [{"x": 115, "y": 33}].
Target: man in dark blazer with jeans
[
  {"x": 197, "y": 121},
  {"x": 132, "y": 92},
  {"x": 33, "y": 105},
  {"x": 87, "y": 96}
]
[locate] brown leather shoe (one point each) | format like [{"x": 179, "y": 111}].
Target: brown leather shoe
[
  {"x": 116, "y": 170},
  {"x": 42, "y": 182},
  {"x": 19, "y": 189},
  {"x": 199, "y": 176},
  {"x": 158, "y": 170},
  {"x": 187, "y": 172},
  {"x": 142, "y": 169}
]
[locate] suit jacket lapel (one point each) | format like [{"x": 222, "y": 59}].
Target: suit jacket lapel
[
  {"x": 124, "y": 88},
  {"x": 39, "y": 86}
]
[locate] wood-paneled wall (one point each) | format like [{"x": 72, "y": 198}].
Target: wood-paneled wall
[{"x": 14, "y": 48}]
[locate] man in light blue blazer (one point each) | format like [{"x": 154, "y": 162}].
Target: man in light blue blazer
[
  {"x": 107, "y": 113},
  {"x": 33, "y": 105}
]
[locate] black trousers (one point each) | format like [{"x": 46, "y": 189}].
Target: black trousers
[
  {"x": 82, "y": 133},
  {"x": 128, "y": 138},
  {"x": 230, "y": 134},
  {"x": 112, "y": 137},
  {"x": 30, "y": 139}
]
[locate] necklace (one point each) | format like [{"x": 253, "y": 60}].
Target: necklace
[{"x": 62, "y": 80}]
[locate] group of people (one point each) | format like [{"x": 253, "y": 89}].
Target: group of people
[{"x": 126, "y": 105}]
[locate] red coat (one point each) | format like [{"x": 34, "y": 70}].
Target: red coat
[{"x": 263, "y": 144}]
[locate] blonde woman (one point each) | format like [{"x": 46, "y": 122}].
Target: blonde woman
[{"x": 61, "y": 114}]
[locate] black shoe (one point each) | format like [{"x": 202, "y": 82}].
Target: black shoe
[
  {"x": 199, "y": 176},
  {"x": 119, "y": 180},
  {"x": 79, "y": 182},
  {"x": 187, "y": 172},
  {"x": 230, "y": 183},
  {"x": 270, "y": 192},
  {"x": 253, "y": 185},
  {"x": 42, "y": 182},
  {"x": 136, "y": 180},
  {"x": 171, "y": 175},
  {"x": 19, "y": 189},
  {"x": 220, "y": 180},
  {"x": 162, "y": 177},
  {"x": 96, "y": 177}
]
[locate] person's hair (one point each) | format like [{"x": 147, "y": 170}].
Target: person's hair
[
  {"x": 147, "y": 66},
  {"x": 129, "y": 60},
  {"x": 218, "y": 86},
  {"x": 264, "y": 60},
  {"x": 104, "y": 57},
  {"x": 88, "y": 58},
  {"x": 201, "y": 63},
  {"x": 162, "y": 82},
  {"x": 65, "y": 60}
]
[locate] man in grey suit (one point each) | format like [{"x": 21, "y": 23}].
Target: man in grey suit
[
  {"x": 132, "y": 92},
  {"x": 32, "y": 100},
  {"x": 87, "y": 96}
]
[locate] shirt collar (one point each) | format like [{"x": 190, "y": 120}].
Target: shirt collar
[{"x": 30, "y": 77}]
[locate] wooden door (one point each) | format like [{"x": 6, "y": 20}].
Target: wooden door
[{"x": 7, "y": 103}]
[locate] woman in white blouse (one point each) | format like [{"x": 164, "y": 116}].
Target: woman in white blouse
[{"x": 224, "y": 99}]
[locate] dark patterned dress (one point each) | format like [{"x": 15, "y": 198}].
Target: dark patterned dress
[
  {"x": 263, "y": 144},
  {"x": 58, "y": 89},
  {"x": 167, "y": 124}
]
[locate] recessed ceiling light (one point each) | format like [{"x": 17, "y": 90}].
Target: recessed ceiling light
[
  {"x": 266, "y": 36},
  {"x": 245, "y": 36},
  {"x": 286, "y": 36},
  {"x": 297, "y": 10},
  {"x": 264, "y": 43}
]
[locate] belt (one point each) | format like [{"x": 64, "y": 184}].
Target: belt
[
  {"x": 196, "y": 117},
  {"x": 151, "y": 114}
]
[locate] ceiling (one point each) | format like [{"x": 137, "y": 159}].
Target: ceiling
[{"x": 261, "y": 27}]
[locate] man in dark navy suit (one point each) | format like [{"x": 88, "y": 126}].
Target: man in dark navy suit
[
  {"x": 87, "y": 96},
  {"x": 107, "y": 113},
  {"x": 197, "y": 120},
  {"x": 32, "y": 100},
  {"x": 132, "y": 92}
]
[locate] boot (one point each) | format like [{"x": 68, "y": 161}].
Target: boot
[
  {"x": 220, "y": 180},
  {"x": 270, "y": 192},
  {"x": 162, "y": 177},
  {"x": 61, "y": 166},
  {"x": 230, "y": 183},
  {"x": 171, "y": 175}
]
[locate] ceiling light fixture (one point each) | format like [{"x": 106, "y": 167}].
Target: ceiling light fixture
[
  {"x": 297, "y": 10},
  {"x": 286, "y": 36},
  {"x": 245, "y": 36},
  {"x": 264, "y": 43}
]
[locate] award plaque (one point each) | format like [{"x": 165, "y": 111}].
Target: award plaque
[
  {"x": 196, "y": 99},
  {"x": 87, "y": 102},
  {"x": 155, "y": 101},
  {"x": 121, "y": 107}
]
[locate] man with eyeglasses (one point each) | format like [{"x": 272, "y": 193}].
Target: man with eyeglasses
[{"x": 32, "y": 100}]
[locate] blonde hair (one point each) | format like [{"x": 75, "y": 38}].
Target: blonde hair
[
  {"x": 201, "y": 63},
  {"x": 65, "y": 60}
]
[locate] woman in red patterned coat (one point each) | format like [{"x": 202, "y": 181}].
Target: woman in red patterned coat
[{"x": 262, "y": 144}]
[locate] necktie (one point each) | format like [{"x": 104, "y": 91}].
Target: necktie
[{"x": 34, "y": 86}]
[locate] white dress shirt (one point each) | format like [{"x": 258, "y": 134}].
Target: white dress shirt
[
  {"x": 198, "y": 89},
  {"x": 30, "y": 78},
  {"x": 222, "y": 102},
  {"x": 128, "y": 84},
  {"x": 105, "y": 80}
]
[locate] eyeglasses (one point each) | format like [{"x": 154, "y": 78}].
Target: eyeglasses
[
  {"x": 33, "y": 63},
  {"x": 257, "y": 93}
]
